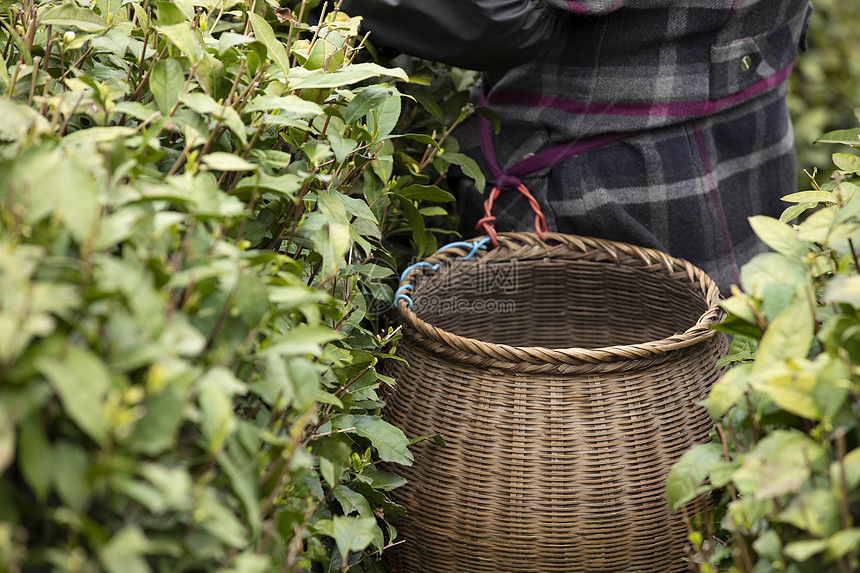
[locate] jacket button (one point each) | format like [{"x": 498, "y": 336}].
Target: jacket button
[{"x": 746, "y": 63}]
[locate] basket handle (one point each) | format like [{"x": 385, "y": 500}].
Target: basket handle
[
  {"x": 400, "y": 294},
  {"x": 486, "y": 223}
]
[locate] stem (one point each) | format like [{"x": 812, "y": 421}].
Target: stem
[
  {"x": 143, "y": 54},
  {"x": 48, "y": 47},
  {"x": 139, "y": 91},
  {"x": 840, "y": 455},
  {"x": 31, "y": 30},
  {"x": 77, "y": 63},
  {"x": 389, "y": 546},
  {"x": 43, "y": 109},
  {"x": 242, "y": 99},
  {"x": 753, "y": 421},
  {"x": 179, "y": 162},
  {"x": 69, "y": 117},
  {"x": 15, "y": 15},
  {"x": 248, "y": 22},
  {"x": 220, "y": 13},
  {"x": 236, "y": 81},
  {"x": 33, "y": 74},
  {"x": 17, "y": 71},
  {"x": 346, "y": 386}
]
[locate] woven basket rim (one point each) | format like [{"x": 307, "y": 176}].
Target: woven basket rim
[{"x": 528, "y": 246}]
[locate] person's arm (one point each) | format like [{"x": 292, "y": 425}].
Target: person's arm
[{"x": 473, "y": 34}]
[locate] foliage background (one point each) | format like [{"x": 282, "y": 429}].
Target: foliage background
[
  {"x": 824, "y": 87},
  {"x": 201, "y": 203}
]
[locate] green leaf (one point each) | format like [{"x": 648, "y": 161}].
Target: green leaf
[
  {"x": 81, "y": 380},
  {"x": 367, "y": 99},
  {"x": 156, "y": 431},
  {"x": 775, "y": 298},
  {"x": 383, "y": 481},
  {"x": 844, "y": 136},
  {"x": 352, "y": 501},
  {"x": 842, "y": 543},
  {"x": 416, "y": 222},
  {"x": 109, "y": 6},
  {"x": 286, "y": 185},
  {"x": 791, "y": 390},
  {"x": 383, "y": 119},
  {"x": 811, "y": 197},
  {"x": 341, "y": 146},
  {"x": 469, "y": 167},
  {"x": 300, "y": 340},
  {"x": 71, "y": 15},
  {"x": 218, "y": 520},
  {"x": 844, "y": 289},
  {"x": 222, "y": 161},
  {"x": 422, "y": 138},
  {"x": 173, "y": 12},
  {"x": 300, "y": 78},
  {"x": 96, "y": 135},
  {"x": 249, "y": 562},
  {"x": 352, "y": 534},
  {"x": 7, "y": 440},
  {"x": 35, "y": 456},
  {"x": 780, "y": 463},
  {"x": 728, "y": 390},
  {"x": 71, "y": 466},
  {"x": 789, "y": 335},
  {"x": 816, "y": 228},
  {"x": 802, "y": 551},
  {"x": 264, "y": 33},
  {"x": 125, "y": 552},
  {"x": 218, "y": 419},
  {"x": 778, "y": 236},
  {"x": 769, "y": 545},
  {"x": 389, "y": 441},
  {"x": 361, "y": 217},
  {"x": 816, "y": 511},
  {"x": 688, "y": 473},
  {"x": 847, "y": 162},
  {"x": 851, "y": 466},
  {"x": 181, "y": 36},
  {"x": 426, "y": 193},
  {"x": 4, "y": 75},
  {"x": 768, "y": 268},
  {"x": 166, "y": 81},
  {"x": 289, "y": 104}
]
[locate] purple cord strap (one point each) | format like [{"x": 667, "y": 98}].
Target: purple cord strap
[{"x": 511, "y": 177}]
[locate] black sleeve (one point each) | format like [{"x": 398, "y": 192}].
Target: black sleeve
[{"x": 472, "y": 34}]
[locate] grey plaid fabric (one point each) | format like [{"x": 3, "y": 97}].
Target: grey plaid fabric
[
  {"x": 686, "y": 189},
  {"x": 699, "y": 88}
]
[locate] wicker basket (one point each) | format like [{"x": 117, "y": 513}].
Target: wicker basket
[{"x": 563, "y": 377}]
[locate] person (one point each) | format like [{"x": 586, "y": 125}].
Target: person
[{"x": 661, "y": 123}]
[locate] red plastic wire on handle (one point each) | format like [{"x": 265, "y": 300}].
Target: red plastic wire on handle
[{"x": 486, "y": 222}]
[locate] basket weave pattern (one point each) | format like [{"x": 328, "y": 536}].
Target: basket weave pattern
[{"x": 563, "y": 403}]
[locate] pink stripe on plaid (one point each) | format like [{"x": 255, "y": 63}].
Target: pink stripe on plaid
[
  {"x": 658, "y": 109},
  {"x": 576, "y": 7},
  {"x": 580, "y": 7},
  {"x": 715, "y": 198}
]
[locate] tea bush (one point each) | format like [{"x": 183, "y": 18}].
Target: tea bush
[
  {"x": 198, "y": 199},
  {"x": 785, "y": 464},
  {"x": 823, "y": 85}
]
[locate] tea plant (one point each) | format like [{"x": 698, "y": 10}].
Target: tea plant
[
  {"x": 194, "y": 203},
  {"x": 786, "y": 461}
]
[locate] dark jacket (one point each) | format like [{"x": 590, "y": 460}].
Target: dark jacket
[
  {"x": 472, "y": 34},
  {"x": 634, "y": 64}
]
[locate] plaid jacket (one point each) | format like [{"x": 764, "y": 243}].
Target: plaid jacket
[
  {"x": 668, "y": 116},
  {"x": 628, "y": 65},
  {"x": 670, "y": 125}
]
